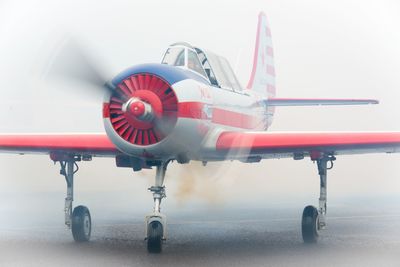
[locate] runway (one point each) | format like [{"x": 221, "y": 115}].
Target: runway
[{"x": 229, "y": 236}]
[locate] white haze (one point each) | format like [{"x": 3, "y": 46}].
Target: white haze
[{"x": 339, "y": 49}]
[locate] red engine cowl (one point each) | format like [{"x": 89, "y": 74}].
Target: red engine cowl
[
  {"x": 142, "y": 110},
  {"x": 143, "y": 113}
]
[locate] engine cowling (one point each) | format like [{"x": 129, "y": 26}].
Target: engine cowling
[
  {"x": 142, "y": 109},
  {"x": 141, "y": 112}
]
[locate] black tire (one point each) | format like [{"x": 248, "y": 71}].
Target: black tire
[
  {"x": 309, "y": 225},
  {"x": 81, "y": 224},
  {"x": 155, "y": 234}
]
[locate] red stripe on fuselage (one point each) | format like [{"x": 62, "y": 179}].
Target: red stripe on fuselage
[
  {"x": 196, "y": 110},
  {"x": 193, "y": 110},
  {"x": 234, "y": 119}
]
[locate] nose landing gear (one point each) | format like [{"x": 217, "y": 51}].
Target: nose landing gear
[{"x": 156, "y": 221}]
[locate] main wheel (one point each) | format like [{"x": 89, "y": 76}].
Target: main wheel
[
  {"x": 309, "y": 224},
  {"x": 81, "y": 224},
  {"x": 155, "y": 234}
]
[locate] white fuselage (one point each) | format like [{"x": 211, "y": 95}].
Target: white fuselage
[{"x": 203, "y": 112}]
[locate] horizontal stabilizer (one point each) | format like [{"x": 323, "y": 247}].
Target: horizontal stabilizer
[{"x": 317, "y": 102}]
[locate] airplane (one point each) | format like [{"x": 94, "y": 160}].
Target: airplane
[{"x": 191, "y": 107}]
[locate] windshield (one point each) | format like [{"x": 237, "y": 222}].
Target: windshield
[
  {"x": 174, "y": 56},
  {"x": 194, "y": 63},
  {"x": 230, "y": 75},
  {"x": 207, "y": 67},
  {"x": 223, "y": 72},
  {"x": 215, "y": 68}
]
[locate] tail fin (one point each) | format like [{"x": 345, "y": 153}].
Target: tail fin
[{"x": 262, "y": 77}]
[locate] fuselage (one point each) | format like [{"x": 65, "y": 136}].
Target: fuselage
[{"x": 202, "y": 111}]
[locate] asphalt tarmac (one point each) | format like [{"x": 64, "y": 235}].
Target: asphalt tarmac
[{"x": 359, "y": 235}]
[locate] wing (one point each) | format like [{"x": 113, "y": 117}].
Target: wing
[
  {"x": 317, "y": 102},
  {"x": 252, "y": 146},
  {"x": 79, "y": 144}
]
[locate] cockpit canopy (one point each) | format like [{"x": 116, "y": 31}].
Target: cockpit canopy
[{"x": 214, "y": 68}]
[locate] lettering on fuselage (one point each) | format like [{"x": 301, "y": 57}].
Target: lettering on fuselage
[{"x": 204, "y": 93}]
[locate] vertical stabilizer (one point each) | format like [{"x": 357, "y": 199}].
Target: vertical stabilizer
[{"x": 262, "y": 77}]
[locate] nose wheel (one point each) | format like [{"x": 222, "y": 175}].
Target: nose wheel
[
  {"x": 155, "y": 233},
  {"x": 156, "y": 221}
]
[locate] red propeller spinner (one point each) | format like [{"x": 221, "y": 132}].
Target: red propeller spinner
[{"x": 143, "y": 110}]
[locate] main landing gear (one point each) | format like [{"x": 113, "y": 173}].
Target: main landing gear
[
  {"x": 156, "y": 222},
  {"x": 313, "y": 219},
  {"x": 77, "y": 219}
]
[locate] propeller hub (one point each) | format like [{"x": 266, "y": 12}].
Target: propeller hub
[{"x": 139, "y": 109}]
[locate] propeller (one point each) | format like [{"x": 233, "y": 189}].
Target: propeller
[
  {"x": 141, "y": 107},
  {"x": 73, "y": 63},
  {"x": 144, "y": 110}
]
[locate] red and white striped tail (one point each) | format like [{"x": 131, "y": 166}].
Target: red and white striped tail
[{"x": 262, "y": 77}]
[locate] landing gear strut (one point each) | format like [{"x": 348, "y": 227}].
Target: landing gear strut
[
  {"x": 77, "y": 219},
  {"x": 156, "y": 222},
  {"x": 313, "y": 219}
]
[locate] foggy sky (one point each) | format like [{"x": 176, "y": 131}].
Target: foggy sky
[{"x": 339, "y": 49}]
